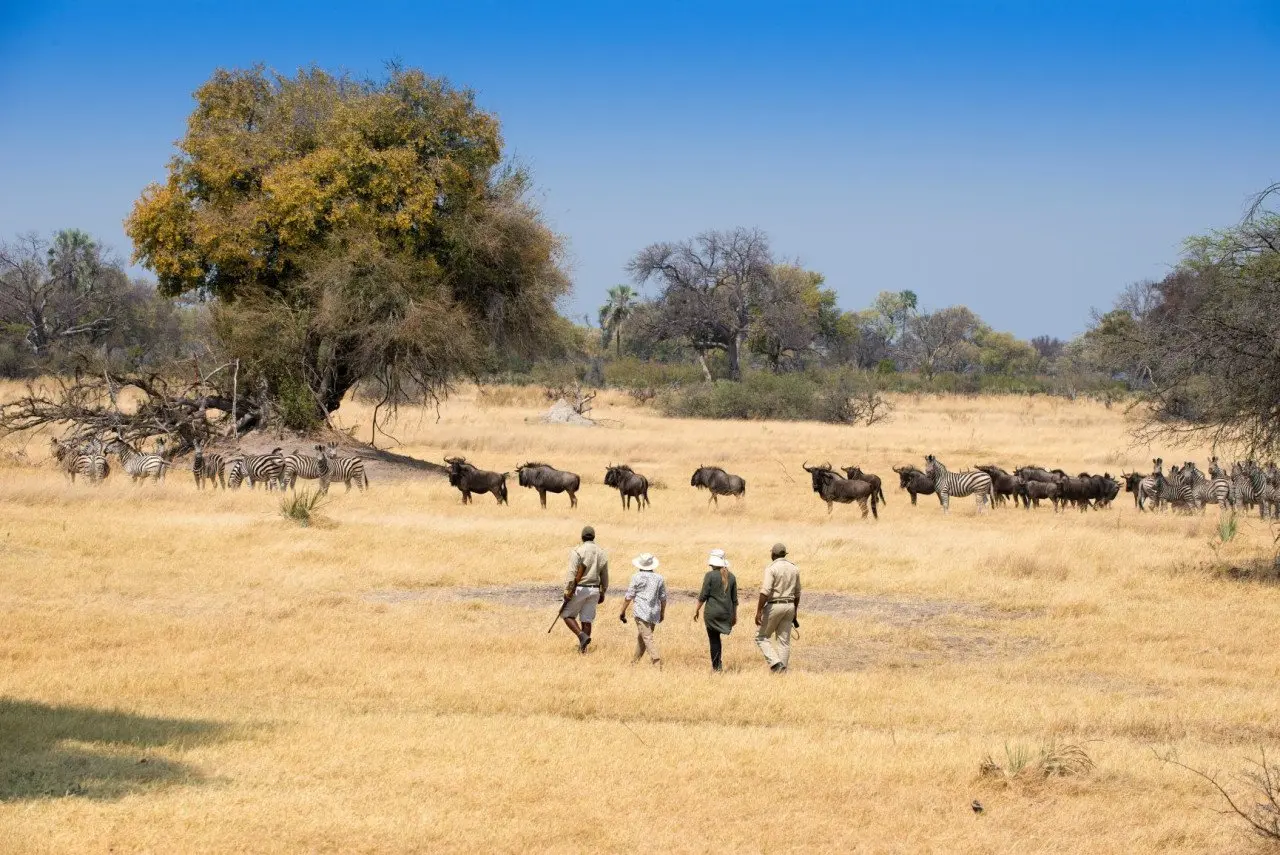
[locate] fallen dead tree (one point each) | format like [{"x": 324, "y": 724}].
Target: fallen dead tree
[{"x": 155, "y": 404}]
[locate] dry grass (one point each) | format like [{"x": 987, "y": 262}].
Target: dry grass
[{"x": 187, "y": 672}]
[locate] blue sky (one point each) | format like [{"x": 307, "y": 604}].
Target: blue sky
[{"x": 1025, "y": 159}]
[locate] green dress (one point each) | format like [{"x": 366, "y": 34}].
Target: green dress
[{"x": 720, "y": 606}]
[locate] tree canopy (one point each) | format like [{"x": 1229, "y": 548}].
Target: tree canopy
[
  {"x": 351, "y": 230},
  {"x": 1203, "y": 344}
]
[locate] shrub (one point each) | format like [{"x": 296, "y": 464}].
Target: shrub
[
  {"x": 631, "y": 373},
  {"x": 301, "y": 507},
  {"x": 1024, "y": 762},
  {"x": 1254, "y": 794},
  {"x": 759, "y": 395}
]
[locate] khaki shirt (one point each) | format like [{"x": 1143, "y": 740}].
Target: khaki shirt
[
  {"x": 781, "y": 581},
  {"x": 595, "y": 562}
]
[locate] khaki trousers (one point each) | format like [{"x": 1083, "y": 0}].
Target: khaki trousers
[
  {"x": 776, "y": 622},
  {"x": 645, "y": 641}
]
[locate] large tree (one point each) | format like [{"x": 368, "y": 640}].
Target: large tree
[
  {"x": 1204, "y": 342},
  {"x": 941, "y": 340},
  {"x": 351, "y": 230},
  {"x": 712, "y": 288},
  {"x": 58, "y": 293}
]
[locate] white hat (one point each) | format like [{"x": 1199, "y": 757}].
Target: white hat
[
  {"x": 645, "y": 561},
  {"x": 717, "y": 559}
]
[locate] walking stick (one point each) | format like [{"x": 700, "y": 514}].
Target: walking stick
[
  {"x": 577, "y": 577},
  {"x": 556, "y": 619}
]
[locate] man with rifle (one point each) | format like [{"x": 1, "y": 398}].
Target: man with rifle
[{"x": 585, "y": 585}]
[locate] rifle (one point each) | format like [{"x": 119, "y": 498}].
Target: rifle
[{"x": 577, "y": 577}]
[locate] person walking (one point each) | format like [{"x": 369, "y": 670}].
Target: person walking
[
  {"x": 720, "y": 596},
  {"x": 776, "y": 609},
  {"x": 648, "y": 591},
  {"x": 585, "y": 585}
]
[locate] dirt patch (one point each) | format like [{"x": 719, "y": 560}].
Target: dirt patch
[{"x": 927, "y": 631}]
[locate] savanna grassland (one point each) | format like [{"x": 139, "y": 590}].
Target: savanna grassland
[{"x": 187, "y": 672}]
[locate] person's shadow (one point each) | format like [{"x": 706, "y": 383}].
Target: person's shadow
[{"x": 54, "y": 751}]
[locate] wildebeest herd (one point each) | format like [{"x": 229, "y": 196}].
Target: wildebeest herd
[{"x": 1247, "y": 486}]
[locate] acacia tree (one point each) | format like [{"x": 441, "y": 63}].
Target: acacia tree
[
  {"x": 351, "y": 230},
  {"x": 712, "y": 286}
]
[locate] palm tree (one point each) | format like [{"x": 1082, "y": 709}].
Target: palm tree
[{"x": 622, "y": 299}]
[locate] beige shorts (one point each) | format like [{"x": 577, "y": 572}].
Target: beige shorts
[{"x": 583, "y": 605}]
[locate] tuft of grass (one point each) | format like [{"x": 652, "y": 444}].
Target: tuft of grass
[
  {"x": 1027, "y": 763},
  {"x": 301, "y": 507}
]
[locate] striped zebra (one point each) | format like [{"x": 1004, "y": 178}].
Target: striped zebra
[
  {"x": 235, "y": 473},
  {"x": 139, "y": 466},
  {"x": 87, "y": 460},
  {"x": 959, "y": 484},
  {"x": 1160, "y": 491},
  {"x": 1242, "y": 495},
  {"x": 208, "y": 465},
  {"x": 1205, "y": 491},
  {"x": 304, "y": 466},
  {"x": 1180, "y": 489},
  {"x": 265, "y": 468},
  {"x": 1266, "y": 494},
  {"x": 346, "y": 469}
]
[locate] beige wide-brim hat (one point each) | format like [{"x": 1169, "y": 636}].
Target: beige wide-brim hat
[
  {"x": 645, "y": 561},
  {"x": 717, "y": 559}
]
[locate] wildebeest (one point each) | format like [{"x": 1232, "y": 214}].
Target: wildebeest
[
  {"x": 1035, "y": 473},
  {"x": 1037, "y": 490},
  {"x": 468, "y": 479},
  {"x": 718, "y": 482},
  {"x": 832, "y": 488},
  {"x": 629, "y": 484},
  {"x": 547, "y": 479},
  {"x": 1003, "y": 485},
  {"x": 855, "y": 473},
  {"x": 915, "y": 482},
  {"x": 1132, "y": 481}
]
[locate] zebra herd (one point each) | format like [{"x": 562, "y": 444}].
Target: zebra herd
[
  {"x": 228, "y": 471},
  {"x": 1248, "y": 486}
]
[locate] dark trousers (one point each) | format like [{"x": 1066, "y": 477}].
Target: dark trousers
[{"x": 714, "y": 638}]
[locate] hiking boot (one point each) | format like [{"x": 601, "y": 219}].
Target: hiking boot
[{"x": 583, "y": 641}]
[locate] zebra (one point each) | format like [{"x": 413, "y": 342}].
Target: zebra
[
  {"x": 208, "y": 465},
  {"x": 87, "y": 461},
  {"x": 346, "y": 469},
  {"x": 1266, "y": 494},
  {"x": 1243, "y": 497},
  {"x": 138, "y": 465},
  {"x": 1175, "y": 490},
  {"x": 304, "y": 466},
  {"x": 1179, "y": 488},
  {"x": 267, "y": 468},
  {"x": 959, "y": 484},
  {"x": 235, "y": 473},
  {"x": 1203, "y": 490}
]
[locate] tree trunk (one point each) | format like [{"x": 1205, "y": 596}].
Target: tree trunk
[
  {"x": 732, "y": 352},
  {"x": 702, "y": 363},
  {"x": 619, "y": 341}
]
